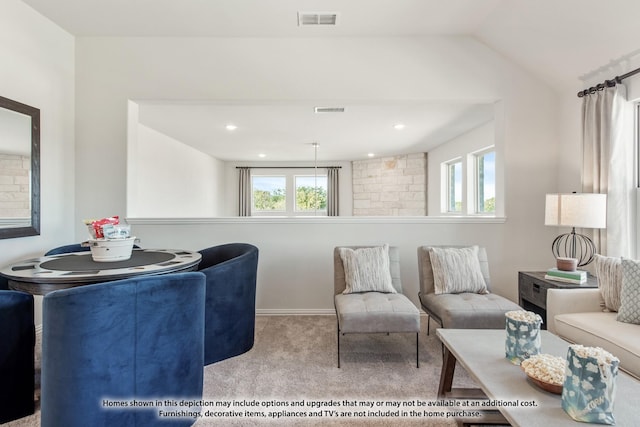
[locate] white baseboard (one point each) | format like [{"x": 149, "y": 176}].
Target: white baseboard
[
  {"x": 295, "y": 312},
  {"x": 303, "y": 312}
]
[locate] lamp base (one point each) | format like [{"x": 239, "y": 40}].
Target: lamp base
[{"x": 573, "y": 245}]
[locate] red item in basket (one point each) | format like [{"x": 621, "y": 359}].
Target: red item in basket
[{"x": 97, "y": 225}]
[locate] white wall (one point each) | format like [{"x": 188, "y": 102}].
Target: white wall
[
  {"x": 37, "y": 68},
  {"x": 172, "y": 179},
  {"x": 295, "y": 271}
]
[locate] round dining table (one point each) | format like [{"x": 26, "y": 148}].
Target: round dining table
[{"x": 39, "y": 276}]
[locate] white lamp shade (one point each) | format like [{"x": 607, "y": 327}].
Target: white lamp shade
[{"x": 582, "y": 210}]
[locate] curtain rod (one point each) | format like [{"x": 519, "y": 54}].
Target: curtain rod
[
  {"x": 285, "y": 167},
  {"x": 607, "y": 83}
]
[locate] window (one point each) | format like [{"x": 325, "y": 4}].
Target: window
[
  {"x": 268, "y": 194},
  {"x": 485, "y": 178},
  {"x": 454, "y": 186},
  {"x": 469, "y": 183},
  {"x": 311, "y": 193},
  {"x": 286, "y": 193}
]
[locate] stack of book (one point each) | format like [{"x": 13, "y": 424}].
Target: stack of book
[{"x": 578, "y": 276}]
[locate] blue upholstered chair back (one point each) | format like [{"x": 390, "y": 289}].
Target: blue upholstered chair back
[
  {"x": 139, "y": 338},
  {"x": 66, "y": 249},
  {"x": 230, "y": 311},
  {"x": 17, "y": 340}
]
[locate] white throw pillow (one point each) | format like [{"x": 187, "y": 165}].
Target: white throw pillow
[
  {"x": 457, "y": 270},
  {"x": 367, "y": 270},
  {"x": 630, "y": 293},
  {"x": 609, "y": 273}
]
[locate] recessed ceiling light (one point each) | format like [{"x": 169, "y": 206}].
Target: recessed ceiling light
[
  {"x": 231, "y": 126},
  {"x": 398, "y": 126},
  {"x": 370, "y": 154},
  {"x": 262, "y": 155}
]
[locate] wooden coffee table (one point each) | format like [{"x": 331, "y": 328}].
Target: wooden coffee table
[{"x": 481, "y": 352}]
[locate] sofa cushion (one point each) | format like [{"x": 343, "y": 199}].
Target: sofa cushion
[
  {"x": 599, "y": 329},
  {"x": 469, "y": 310},
  {"x": 376, "y": 312}
]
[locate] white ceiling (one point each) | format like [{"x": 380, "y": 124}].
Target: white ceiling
[
  {"x": 559, "y": 41},
  {"x": 263, "y": 18},
  {"x": 286, "y": 132}
]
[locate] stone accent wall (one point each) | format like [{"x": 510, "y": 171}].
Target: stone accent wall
[
  {"x": 15, "y": 197},
  {"x": 390, "y": 186}
]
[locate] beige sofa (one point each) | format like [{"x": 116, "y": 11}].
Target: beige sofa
[{"x": 576, "y": 315}]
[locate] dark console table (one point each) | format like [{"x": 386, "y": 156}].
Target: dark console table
[{"x": 532, "y": 291}]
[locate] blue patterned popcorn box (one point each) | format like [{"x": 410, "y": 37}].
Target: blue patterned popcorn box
[
  {"x": 590, "y": 384},
  {"x": 523, "y": 335}
]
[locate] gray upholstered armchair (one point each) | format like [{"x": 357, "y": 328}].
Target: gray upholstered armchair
[
  {"x": 463, "y": 310},
  {"x": 374, "y": 312}
]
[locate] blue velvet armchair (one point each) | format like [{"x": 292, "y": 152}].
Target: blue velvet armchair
[
  {"x": 17, "y": 341},
  {"x": 230, "y": 309},
  {"x": 139, "y": 338}
]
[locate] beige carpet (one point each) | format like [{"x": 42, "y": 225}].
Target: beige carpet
[{"x": 294, "y": 362}]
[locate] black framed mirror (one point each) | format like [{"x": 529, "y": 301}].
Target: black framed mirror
[{"x": 20, "y": 171}]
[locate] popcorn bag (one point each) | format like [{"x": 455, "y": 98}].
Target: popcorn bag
[
  {"x": 590, "y": 384},
  {"x": 523, "y": 335}
]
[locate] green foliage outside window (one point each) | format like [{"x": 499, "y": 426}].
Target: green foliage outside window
[
  {"x": 274, "y": 200},
  {"x": 490, "y": 205},
  {"x": 306, "y": 198}
]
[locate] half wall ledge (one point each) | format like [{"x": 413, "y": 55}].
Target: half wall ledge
[{"x": 321, "y": 220}]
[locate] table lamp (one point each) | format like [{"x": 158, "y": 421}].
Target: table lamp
[{"x": 582, "y": 210}]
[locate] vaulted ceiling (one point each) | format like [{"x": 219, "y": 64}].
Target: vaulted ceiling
[
  {"x": 558, "y": 40},
  {"x": 562, "y": 42}
]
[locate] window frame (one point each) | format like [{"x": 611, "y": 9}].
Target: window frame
[{"x": 289, "y": 174}]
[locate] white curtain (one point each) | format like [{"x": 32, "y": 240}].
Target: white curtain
[
  {"x": 608, "y": 165},
  {"x": 244, "y": 195}
]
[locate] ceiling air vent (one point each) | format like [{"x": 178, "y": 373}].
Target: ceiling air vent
[
  {"x": 329, "y": 109},
  {"x": 316, "y": 18}
]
